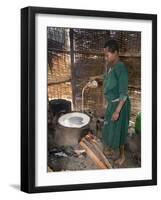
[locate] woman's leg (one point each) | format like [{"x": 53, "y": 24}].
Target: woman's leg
[{"x": 121, "y": 159}]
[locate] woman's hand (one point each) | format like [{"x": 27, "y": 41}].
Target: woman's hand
[{"x": 115, "y": 116}]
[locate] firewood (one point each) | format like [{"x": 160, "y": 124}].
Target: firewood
[
  {"x": 92, "y": 155},
  {"x": 102, "y": 155},
  {"x": 91, "y": 139}
]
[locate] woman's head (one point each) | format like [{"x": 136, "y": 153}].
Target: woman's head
[{"x": 111, "y": 50}]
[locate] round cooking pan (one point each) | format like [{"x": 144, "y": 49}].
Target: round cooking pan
[{"x": 70, "y": 128}]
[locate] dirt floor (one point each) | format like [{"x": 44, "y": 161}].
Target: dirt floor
[{"x": 66, "y": 158}]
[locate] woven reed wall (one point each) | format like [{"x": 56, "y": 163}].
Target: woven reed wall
[{"x": 74, "y": 55}]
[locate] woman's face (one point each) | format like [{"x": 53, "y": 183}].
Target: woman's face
[{"x": 110, "y": 57}]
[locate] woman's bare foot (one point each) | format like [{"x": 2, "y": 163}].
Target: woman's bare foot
[{"x": 120, "y": 161}]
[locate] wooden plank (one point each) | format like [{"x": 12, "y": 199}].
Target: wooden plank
[
  {"x": 96, "y": 146},
  {"x": 129, "y": 55},
  {"x": 57, "y": 83},
  {"x": 97, "y": 161}
]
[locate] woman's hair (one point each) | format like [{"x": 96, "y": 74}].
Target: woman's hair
[{"x": 112, "y": 45}]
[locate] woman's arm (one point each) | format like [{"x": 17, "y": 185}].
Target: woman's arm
[
  {"x": 96, "y": 77},
  {"x": 116, "y": 114},
  {"x": 119, "y": 107},
  {"x": 122, "y": 74}
]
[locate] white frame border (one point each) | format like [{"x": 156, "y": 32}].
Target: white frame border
[{"x": 42, "y": 178}]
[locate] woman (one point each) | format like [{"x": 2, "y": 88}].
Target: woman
[{"x": 115, "y": 87}]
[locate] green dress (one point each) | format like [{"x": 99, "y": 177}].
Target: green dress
[{"x": 115, "y": 87}]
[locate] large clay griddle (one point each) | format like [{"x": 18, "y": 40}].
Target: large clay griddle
[
  {"x": 71, "y": 128},
  {"x": 74, "y": 120}
]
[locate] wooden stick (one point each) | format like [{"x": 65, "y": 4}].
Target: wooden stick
[
  {"x": 93, "y": 149},
  {"x": 102, "y": 155},
  {"x": 98, "y": 163},
  {"x": 96, "y": 145}
]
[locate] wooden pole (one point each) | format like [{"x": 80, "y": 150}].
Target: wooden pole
[{"x": 73, "y": 82}]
